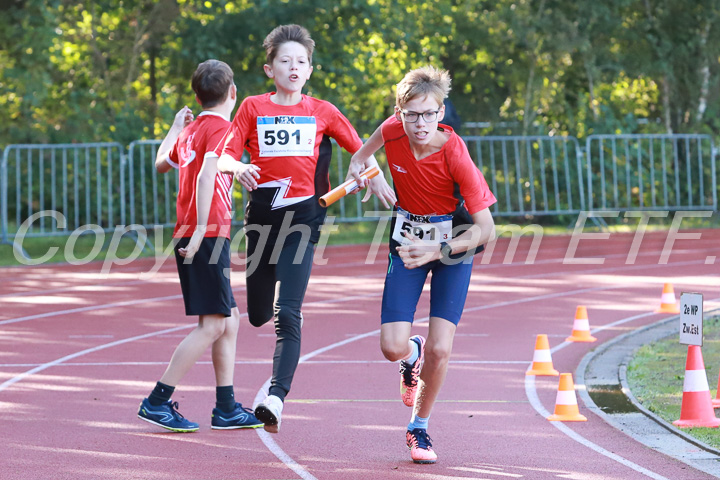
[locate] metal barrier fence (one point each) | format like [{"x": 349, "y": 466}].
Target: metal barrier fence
[
  {"x": 534, "y": 175},
  {"x": 98, "y": 184},
  {"x": 77, "y": 180},
  {"x": 651, "y": 172}
]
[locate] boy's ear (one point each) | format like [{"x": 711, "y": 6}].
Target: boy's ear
[
  {"x": 198, "y": 100},
  {"x": 233, "y": 91},
  {"x": 397, "y": 114},
  {"x": 441, "y": 113},
  {"x": 268, "y": 71}
]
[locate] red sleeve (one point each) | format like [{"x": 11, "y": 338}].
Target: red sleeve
[
  {"x": 342, "y": 131},
  {"x": 473, "y": 187},
  {"x": 233, "y": 141}
]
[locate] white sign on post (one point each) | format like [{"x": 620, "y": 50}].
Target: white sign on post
[{"x": 691, "y": 319}]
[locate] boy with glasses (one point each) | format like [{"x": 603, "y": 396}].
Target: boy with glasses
[{"x": 441, "y": 220}]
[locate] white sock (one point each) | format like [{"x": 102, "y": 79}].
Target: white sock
[{"x": 414, "y": 352}]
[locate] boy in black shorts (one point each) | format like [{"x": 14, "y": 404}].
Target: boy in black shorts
[{"x": 202, "y": 253}]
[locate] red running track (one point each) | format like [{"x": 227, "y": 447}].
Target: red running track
[{"x": 79, "y": 350}]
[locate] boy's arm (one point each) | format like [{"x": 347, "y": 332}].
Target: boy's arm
[
  {"x": 203, "y": 200},
  {"x": 364, "y": 158},
  {"x": 245, "y": 173},
  {"x": 182, "y": 120}
]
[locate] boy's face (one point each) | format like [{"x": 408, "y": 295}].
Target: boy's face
[
  {"x": 290, "y": 68},
  {"x": 420, "y": 117}
]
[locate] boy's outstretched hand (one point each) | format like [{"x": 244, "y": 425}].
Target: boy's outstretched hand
[
  {"x": 248, "y": 175},
  {"x": 376, "y": 185}
]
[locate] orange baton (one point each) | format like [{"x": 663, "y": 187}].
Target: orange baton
[{"x": 348, "y": 187}]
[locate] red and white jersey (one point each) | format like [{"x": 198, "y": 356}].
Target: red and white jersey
[
  {"x": 196, "y": 143},
  {"x": 284, "y": 141},
  {"x": 439, "y": 183}
]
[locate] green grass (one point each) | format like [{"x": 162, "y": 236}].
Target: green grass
[{"x": 656, "y": 372}]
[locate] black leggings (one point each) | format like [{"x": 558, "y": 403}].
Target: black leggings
[{"x": 276, "y": 288}]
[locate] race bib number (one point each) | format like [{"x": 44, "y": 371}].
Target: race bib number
[
  {"x": 429, "y": 228},
  {"x": 286, "y": 136}
]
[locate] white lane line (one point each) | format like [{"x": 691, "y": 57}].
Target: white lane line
[
  {"x": 47, "y": 365},
  {"x": 141, "y": 301},
  {"x": 279, "y": 453},
  {"x": 127, "y": 303},
  {"x": 267, "y": 439},
  {"x": 531, "y": 393},
  {"x": 255, "y": 362},
  {"x": 271, "y": 445}
]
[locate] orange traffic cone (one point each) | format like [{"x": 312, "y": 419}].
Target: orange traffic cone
[
  {"x": 566, "y": 407},
  {"x": 542, "y": 360},
  {"x": 581, "y": 327},
  {"x": 667, "y": 301},
  {"x": 696, "y": 410}
]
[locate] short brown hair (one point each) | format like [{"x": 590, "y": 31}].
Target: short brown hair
[
  {"x": 284, "y": 34},
  {"x": 422, "y": 82},
  {"x": 211, "y": 82}
]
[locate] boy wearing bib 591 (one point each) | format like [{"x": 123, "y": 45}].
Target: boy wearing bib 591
[
  {"x": 288, "y": 137},
  {"x": 442, "y": 219}
]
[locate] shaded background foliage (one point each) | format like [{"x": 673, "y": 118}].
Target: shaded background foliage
[{"x": 118, "y": 70}]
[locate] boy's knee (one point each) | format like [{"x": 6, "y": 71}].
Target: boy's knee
[
  {"x": 394, "y": 351},
  {"x": 437, "y": 354},
  {"x": 214, "y": 326},
  {"x": 288, "y": 320},
  {"x": 259, "y": 316}
]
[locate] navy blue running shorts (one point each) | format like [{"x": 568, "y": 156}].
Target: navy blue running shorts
[
  {"x": 205, "y": 286},
  {"x": 448, "y": 290}
]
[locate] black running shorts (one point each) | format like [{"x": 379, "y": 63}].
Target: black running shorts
[{"x": 205, "y": 280}]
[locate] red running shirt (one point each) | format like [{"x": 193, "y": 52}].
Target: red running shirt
[
  {"x": 284, "y": 141},
  {"x": 196, "y": 143},
  {"x": 439, "y": 183}
]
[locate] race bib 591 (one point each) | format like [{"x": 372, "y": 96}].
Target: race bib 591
[
  {"x": 286, "y": 136},
  {"x": 430, "y": 228}
]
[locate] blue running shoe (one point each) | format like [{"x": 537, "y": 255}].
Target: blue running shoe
[
  {"x": 166, "y": 416},
  {"x": 240, "y": 417}
]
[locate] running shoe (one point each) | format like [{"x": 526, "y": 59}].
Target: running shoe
[
  {"x": 410, "y": 373},
  {"x": 268, "y": 412},
  {"x": 166, "y": 416},
  {"x": 419, "y": 443},
  {"x": 240, "y": 417}
]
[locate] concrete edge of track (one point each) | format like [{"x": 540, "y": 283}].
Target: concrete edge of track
[{"x": 602, "y": 385}]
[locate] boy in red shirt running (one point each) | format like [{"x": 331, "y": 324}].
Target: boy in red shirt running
[
  {"x": 202, "y": 253},
  {"x": 441, "y": 220},
  {"x": 287, "y": 135}
]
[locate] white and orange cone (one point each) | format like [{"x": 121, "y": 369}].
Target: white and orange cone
[
  {"x": 566, "y": 406},
  {"x": 668, "y": 304},
  {"x": 696, "y": 409},
  {"x": 542, "y": 360},
  {"x": 581, "y": 327}
]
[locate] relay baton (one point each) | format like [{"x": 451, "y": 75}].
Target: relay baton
[{"x": 348, "y": 187}]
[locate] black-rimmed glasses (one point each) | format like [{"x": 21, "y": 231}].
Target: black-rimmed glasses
[{"x": 412, "y": 117}]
